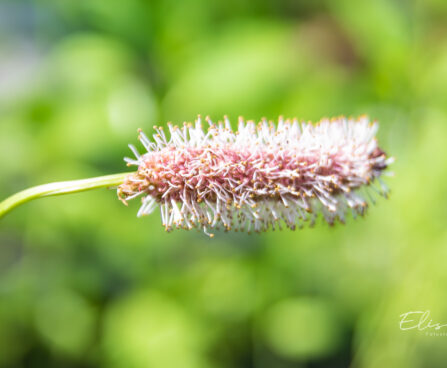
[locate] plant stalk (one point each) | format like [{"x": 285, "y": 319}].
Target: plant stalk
[{"x": 59, "y": 188}]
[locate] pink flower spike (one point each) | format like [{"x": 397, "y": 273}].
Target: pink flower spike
[{"x": 261, "y": 176}]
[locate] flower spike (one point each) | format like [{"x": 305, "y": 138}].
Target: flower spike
[{"x": 261, "y": 176}]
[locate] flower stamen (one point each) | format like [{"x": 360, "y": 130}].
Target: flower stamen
[{"x": 260, "y": 176}]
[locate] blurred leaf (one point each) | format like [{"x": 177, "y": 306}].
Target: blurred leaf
[
  {"x": 146, "y": 329},
  {"x": 301, "y": 328},
  {"x": 66, "y": 321}
]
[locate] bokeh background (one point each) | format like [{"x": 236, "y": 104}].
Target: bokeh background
[{"x": 84, "y": 283}]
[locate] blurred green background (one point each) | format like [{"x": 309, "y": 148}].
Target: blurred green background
[{"x": 84, "y": 283}]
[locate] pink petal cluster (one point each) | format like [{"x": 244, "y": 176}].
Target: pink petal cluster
[{"x": 260, "y": 176}]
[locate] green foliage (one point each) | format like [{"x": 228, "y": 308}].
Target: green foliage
[{"x": 83, "y": 282}]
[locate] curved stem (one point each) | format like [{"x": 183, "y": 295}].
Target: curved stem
[{"x": 59, "y": 188}]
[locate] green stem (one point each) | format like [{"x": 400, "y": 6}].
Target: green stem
[{"x": 59, "y": 188}]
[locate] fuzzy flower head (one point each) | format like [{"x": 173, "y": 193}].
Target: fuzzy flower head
[{"x": 261, "y": 176}]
